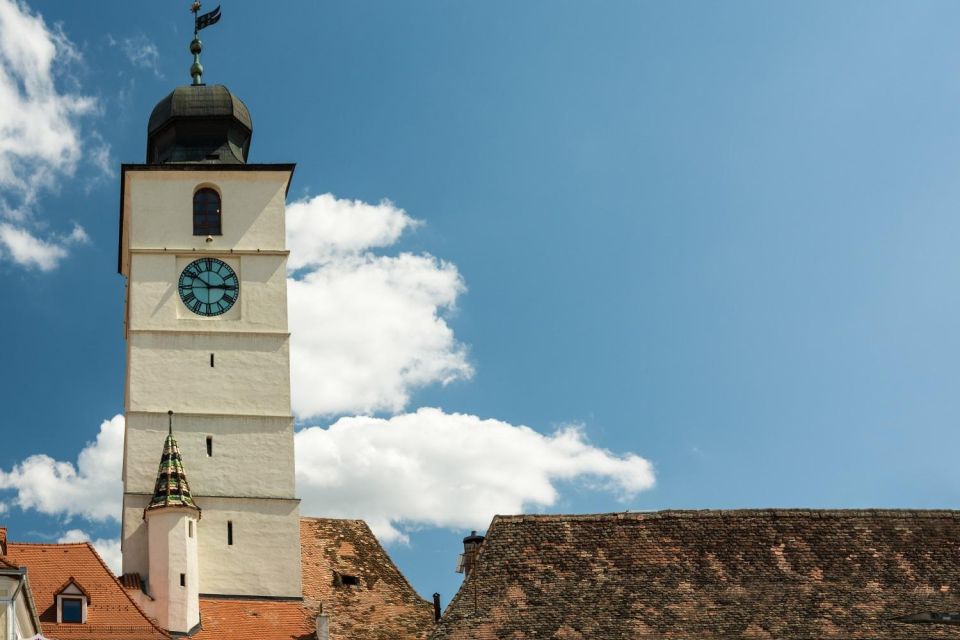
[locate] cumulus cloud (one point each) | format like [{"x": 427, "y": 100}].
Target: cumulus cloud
[
  {"x": 91, "y": 488},
  {"x": 324, "y": 227},
  {"x": 366, "y": 330},
  {"x": 27, "y": 250},
  {"x": 108, "y": 548},
  {"x": 452, "y": 470},
  {"x": 40, "y": 140}
]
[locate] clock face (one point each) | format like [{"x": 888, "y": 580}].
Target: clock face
[{"x": 209, "y": 287}]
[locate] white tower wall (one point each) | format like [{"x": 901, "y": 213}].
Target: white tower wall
[
  {"x": 172, "y": 553},
  {"x": 242, "y": 402}
]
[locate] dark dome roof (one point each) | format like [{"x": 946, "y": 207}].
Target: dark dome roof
[{"x": 199, "y": 123}]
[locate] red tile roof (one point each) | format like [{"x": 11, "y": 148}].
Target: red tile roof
[
  {"x": 111, "y": 614},
  {"x": 799, "y": 574},
  {"x": 236, "y": 619}
]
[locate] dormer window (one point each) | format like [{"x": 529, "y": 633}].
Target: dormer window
[
  {"x": 72, "y": 602},
  {"x": 206, "y": 212}
]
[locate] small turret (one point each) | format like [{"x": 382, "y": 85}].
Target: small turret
[{"x": 172, "y": 518}]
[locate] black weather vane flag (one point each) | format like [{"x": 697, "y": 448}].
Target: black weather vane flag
[
  {"x": 207, "y": 19},
  {"x": 200, "y": 22}
]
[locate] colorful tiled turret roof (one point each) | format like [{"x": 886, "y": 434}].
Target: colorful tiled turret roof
[{"x": 172, "y": 488}]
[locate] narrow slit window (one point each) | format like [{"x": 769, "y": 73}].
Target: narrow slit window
[
  {"x": 209, "y": 446},
  {"x": 190, "y": 528},
  {"x": 183, "y": 579},
  {"x": 206, "y": 213},
  {"x": 211, "y": 360},
  {"x": 229, "y": 532}
]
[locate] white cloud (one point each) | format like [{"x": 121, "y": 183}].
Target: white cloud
[
  {"x": 140, "y": 51},
  {"x": 90, "y": 489},
  {"x": 27, "y": 250},
  {"x": 455, "y": 470},
  {"x": 324, "y": 227},
  {"x": 366, "y": 330},
  {"x": 108, "y": 548},
  {"x": 40, "y": 141}
]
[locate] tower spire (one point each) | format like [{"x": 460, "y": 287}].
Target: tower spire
[
  {"x": 200, "y": 22},
  {"x": 172, "y": 488}
]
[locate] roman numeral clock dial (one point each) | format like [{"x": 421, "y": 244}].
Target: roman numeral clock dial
[{"x": 209, "y": 287}]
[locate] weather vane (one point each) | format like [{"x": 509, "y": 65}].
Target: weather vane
[{"x": 200, "y": 22}]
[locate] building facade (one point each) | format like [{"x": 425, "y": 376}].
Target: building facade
[{"x": 202, "y": 248}]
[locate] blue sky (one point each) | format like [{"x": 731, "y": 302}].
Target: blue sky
[{"x": 722, "y": 237}]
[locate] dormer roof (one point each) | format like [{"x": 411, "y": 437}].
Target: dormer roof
[{"x": 78, "y": 589}]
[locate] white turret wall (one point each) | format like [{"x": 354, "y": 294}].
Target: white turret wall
[{"x": 172, "y": 554}]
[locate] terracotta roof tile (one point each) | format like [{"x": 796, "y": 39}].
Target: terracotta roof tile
[
  {"x": 235, "y": 619},
  {"x": 111, "y": 614},
  {"x": 381, "y": 606},
  {"x": 798, "y": 574}
]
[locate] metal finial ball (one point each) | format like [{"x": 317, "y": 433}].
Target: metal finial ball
[
  {"x": 196, "y": 69},
  {"x": 196, "y": 46}
]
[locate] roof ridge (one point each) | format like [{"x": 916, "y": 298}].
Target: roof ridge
[
  {"x": 321, "y": 518},
  {"x": 126, "y": 595},
  {"x": 772, "y": 511},
  {"x": 45, "y": 544}
]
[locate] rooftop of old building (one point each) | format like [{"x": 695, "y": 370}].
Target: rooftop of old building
[
  {"x": 880, "y": 574},
  {"x": 111, "y": 613}
]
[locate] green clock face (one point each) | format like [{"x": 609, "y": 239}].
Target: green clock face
[{"x": 209, "y": 287}]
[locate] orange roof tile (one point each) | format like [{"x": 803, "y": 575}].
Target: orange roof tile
[
  {"x": 236, "y": 619},
  {"x": 111, "y": 614}
]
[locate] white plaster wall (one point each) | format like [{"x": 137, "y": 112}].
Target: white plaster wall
[
  {"x": 133, "y": 540},
  {"x": 172, "y": 371},
  {"x": 159, "y": 209},
  {"x": 252, "y": 456},
  {"x": 172, "y": 552},
  {"x": 265, "y": 556},
  {"x": 155, "y": 304},
  {"x": 264, "y": 559}
]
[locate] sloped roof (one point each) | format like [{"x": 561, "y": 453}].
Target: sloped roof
[
  {"x": 798, "y": 574},
  {"x": 172, "y": 488},
  {"x": 111, "y": 614},
  {"x": 383, "y": 606},
  {"x": 248, "y": 619}
]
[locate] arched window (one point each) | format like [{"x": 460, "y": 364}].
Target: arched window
[{"x": 206, "y": 213}]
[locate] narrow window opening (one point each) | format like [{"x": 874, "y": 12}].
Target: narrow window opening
[
  {"x": 183, "y": 579},
  {"x": 229, "y": 532},
  {"x": 209, "y": 446},
  {"x": 190, "y": 528},
  {"x": 206, "y": 213},
  {"x": 211, "y": 360}
]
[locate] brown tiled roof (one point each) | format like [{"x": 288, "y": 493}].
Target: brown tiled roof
[
  {"x": 798, "y": 574},
  {"x": 111, "y": 614},
  {"x": 242, "y": 619},
  {"x": 382, "y": 606}
]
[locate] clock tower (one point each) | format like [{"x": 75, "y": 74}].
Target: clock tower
[{"x": 203, "y": 254}]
